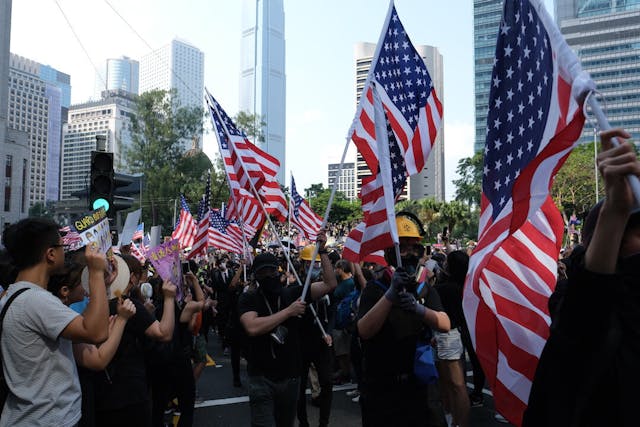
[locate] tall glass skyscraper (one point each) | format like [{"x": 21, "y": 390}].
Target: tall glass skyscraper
[
  {"x": 606, "y": 36},
  {"x": 122, "y": 74},
  {"x": 262, "y": 76},
  {"x": 486, "y": 21}
]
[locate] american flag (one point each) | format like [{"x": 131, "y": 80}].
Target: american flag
[
  {"x": 302, "y": 216},
  {"x": 533, "y": 122},
  {"x": 224, "y": 234},
  {"x": 138, "y": 234},
  {"x": 137, "y": 252},
  {"x": 201, "y": 241},
  {"x": 244, "y": 161},
  {"x": 185, "y": 229},
  {"x": 245, "y": 209},
  {"x": 146, "y": 243},
  {"x": 412, "y": 114}
]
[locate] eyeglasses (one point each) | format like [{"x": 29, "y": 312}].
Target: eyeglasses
[{"x": 60, "y": 245}]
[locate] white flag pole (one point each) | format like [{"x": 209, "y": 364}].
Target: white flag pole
[{"x": 603, "y": 122}]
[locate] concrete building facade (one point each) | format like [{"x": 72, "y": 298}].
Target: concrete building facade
[
  {"x": 262, "y": 73},
  {"x": 347, "y": 181}
]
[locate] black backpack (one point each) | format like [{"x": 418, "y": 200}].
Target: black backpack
[{"x": 4, "y": 388}]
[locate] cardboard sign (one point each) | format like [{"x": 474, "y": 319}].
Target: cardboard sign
[
  {"x": 93, "y": 228},
  {"x": 130, "y": 226},
  {"x": 166, "y": 260}
]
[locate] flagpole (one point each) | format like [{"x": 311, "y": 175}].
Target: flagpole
[
  {"x": 633, "y": 180},
  {"x": 307, "y": 281},
  {"x": 226, "y": 175}
]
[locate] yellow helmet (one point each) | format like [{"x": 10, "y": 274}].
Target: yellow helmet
[
  {"x": 307, "y": 252},
  {"x": 408, "y": 225}
]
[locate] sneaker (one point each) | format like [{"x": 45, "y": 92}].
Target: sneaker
[
  {"x": 356, "y": 399},
  {"x": 476, "y": 400},
  {"x": 499, "y": 418},
  {"x": 353, "y": 393}
]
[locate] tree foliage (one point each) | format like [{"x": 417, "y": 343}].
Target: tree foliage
[
  {"x": 158, "y": 130},
  {"x": 342, "y": 209},
  {"x": 469, "y": 185},
  {"x": 574, "y": 186},
  {"x": 251, "y": 124}
]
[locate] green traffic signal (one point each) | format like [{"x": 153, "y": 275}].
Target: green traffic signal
[{"x": 99, "y": 203}]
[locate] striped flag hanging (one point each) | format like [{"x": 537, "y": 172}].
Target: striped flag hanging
[
  {"x": 137, "y": 235},
  {"x": 412, "y": 114},
  {"x": 535, "y": 117},
  {"x": 201, "y": 241},
  {"x": 224, "y": 234},
  {"x": 302, "y": 216},
  {"x": 185, "y": 229}
]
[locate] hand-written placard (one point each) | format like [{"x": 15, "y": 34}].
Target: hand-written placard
[
  {"x": 93, "y": 228},
  {"x": 166, "y": 260}
]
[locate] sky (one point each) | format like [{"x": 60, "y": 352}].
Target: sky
[{"x": 320, "y": 38}]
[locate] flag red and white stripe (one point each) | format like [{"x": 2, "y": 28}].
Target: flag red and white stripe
[
  {"x": 534, "y": 120},
  {"x": 186, "y": 229},
  {"x": 201, "y": 241},
  {"x": 224, "y": 234},
  {"x": 136, "y": 252},
  {"x": 302, "y": 216},
  {"x": 409, "y": 111}
]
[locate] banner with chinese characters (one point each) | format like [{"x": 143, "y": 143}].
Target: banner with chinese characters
[
  {"x": 93, "y": 228},
  {"x": 166, "y": 260}
]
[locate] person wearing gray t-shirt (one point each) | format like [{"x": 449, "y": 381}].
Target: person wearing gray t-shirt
[{"x": 37, "y": 331}]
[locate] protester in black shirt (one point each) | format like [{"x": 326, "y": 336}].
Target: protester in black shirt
[
  {"x": 390, "y": 323},
  {"x": 270, "y": 316},
  {"x": 588, "y": 371}
]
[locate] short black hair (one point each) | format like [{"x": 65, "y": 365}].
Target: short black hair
[{"x": 28, "y": 240}]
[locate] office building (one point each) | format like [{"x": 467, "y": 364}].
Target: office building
[
  {"x": 178, "y": 65},
  {"x": 347, "y": 181},
  {"x": 36, "y": 107},
  {"x": 430, "y": 181},
  {"x": 262, "y": 73},
  {"x": 486, "y": 21},
  {"x": 119, "y": 74},
  {"x": 14, "y": 145},
  {"x": 606, "y": 37},
  {"x": 111, "y": 116}
]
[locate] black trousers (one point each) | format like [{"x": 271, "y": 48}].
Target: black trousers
[
  {"x": 136, "y": 415},
  {"x": 319, "y": 354},
  {"x": 393, "y": 402},
  {"x": 176, "y": 380},
  {"x": 478, "y": 373}
]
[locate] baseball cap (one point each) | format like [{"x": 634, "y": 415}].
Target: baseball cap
[{"x": 264, "y": 260}]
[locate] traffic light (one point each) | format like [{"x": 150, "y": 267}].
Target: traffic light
[{"x": 102, "y": 183}]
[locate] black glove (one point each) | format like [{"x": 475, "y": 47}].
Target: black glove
[
  {"x": 399, "y": 282},
  {"x": 408, "y": 302}
]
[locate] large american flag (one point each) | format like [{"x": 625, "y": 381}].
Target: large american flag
[
  {"x": 246, "y": 210},
  {"x": 201, "y": 241},
  {"x": 412, "y": 114},
  {"x": 245, "y": 163},
  {"x": 224, "y": 234},
  {"x": 533, "y": 122},
  {"x": 302, "y": 216},
  {"x": 185, "y": 229}
]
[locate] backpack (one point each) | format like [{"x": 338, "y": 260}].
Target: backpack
[
  {"x": 4, "y": 388},
  {"x": 347, "y": 310}
]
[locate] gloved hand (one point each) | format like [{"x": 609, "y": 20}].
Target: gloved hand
[
  {"x": 408, "y": 302},
  {"x": 399, "y": 282}
]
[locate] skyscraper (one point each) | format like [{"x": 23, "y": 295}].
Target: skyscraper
[
  {"x": 14, "y": 147},
  {"x": 347, "y": 181},
  {"x": 430, "y": 181},
  {"x": 35, "y": 107},
  {"x": 606, "y": 37},
  {"x": 122, "y": 74},
  {"x": 486, "y": 21},
  {"x": 111, "y": 116},
  {"x": 262, "y": 73}
]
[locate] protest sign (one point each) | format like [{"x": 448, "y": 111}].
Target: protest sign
[
  {"x": 166, "y": 260},
  {"x": 93, "y": 228}
]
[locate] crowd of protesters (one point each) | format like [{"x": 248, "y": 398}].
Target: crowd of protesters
[{"x": 91, "y": 340}]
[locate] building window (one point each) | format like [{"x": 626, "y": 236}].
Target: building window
[
  {"x": 7, "y": 182},
  {"x": 24, "y": 186}
]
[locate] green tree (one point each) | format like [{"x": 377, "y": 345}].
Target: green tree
[
  {"x": 469, "y": 185},
  {"x": 158, "y": 130},
  {"x": 251, "y": 124},
  {"x": 574, "y": 186},
  {"x": 342, "y": 209},
  {"x": 46, "y": 210}
]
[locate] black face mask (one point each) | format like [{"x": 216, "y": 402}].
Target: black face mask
[
  {"x": 410, "y": 263},
  {"x": 271, "y": 285}
]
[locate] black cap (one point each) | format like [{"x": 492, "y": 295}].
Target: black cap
[{"x": 264, "y": 260}]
